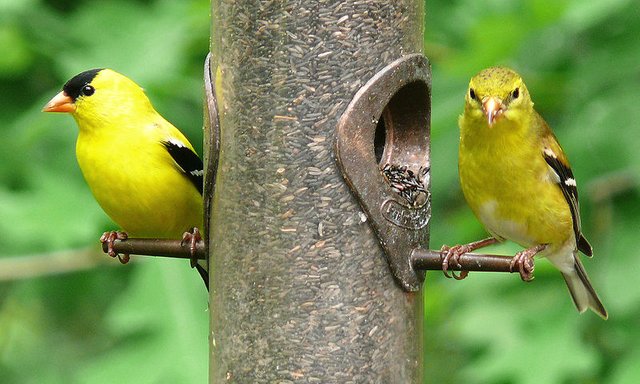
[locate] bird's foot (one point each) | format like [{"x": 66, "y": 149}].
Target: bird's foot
[
  {"x": 524, "y": 262},
  {"x": 111, "y": 236},
  {"x": 192, "y": 238},
  {"x": 451, "y": 255}
]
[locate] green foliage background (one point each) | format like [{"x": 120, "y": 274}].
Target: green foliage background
[{"x": 68, "y": 314}]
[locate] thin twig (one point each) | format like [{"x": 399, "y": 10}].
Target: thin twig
[
  {"x": 156, "y": 247},
  {"x": 426, "y": 259},
  {"x": 48, "y": 264}
]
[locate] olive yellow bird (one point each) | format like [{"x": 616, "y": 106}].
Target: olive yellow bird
[
  {"x": 141, "y": 169},
  {"x": 518, "y": 182}
]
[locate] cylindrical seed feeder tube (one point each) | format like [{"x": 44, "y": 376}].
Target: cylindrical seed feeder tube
[{"x": 300, "y": 288}]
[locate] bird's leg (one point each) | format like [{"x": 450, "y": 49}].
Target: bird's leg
[
  {"x": 524, "y": 261},
  {"x": 111, "y": 236},
  {"x": 453, "y": 254},
  {"x": 192, "y": 237}
]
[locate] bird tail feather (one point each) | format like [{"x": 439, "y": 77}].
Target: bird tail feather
[
  {"x": 582, "y": 292},
  {"x": 202, "y": 270}
]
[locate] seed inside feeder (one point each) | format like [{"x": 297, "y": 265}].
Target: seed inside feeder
[{"x": 407, "y": 184}]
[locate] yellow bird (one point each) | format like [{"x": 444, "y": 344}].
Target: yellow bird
[
  {"x": 518, "y": 182},
  {"x": 141, "y": 169}
]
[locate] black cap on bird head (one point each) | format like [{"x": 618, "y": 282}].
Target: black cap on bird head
[
  {"x": 73, "y": 87},
  {"x": 65, "y": 101}
]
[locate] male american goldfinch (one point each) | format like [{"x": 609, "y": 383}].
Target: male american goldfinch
[
  {"x": 518, "y": 182},
  {"x": 141, "y": 169}
]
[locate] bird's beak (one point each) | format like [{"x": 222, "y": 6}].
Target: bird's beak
[
  {"x": 60, "y": 103},
  {"x": 492, "y": 108}
]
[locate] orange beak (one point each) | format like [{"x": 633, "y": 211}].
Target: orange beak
[
  {"x": 60, "y": 103},
  {"x": 493, "y": 109}
]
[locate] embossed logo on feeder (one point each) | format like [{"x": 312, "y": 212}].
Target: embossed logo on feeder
[{"x": 403, "y": 216}]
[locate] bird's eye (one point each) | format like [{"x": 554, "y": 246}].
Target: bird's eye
[
  {"x": 472, "y": 94},
  {"x": 88, "y": 90},
  {"x": 515, "y": 93}
]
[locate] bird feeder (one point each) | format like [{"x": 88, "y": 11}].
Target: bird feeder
[{"x": 301, "y": 286}]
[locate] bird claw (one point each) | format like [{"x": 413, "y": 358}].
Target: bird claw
[
  {"x": 453, "y": 255},
  {"x": 109, "y": 238},
  {"x": 524, "y": 261},
  {"x": 192, "y": 237}
]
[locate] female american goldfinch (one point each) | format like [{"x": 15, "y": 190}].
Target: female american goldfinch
[
  {"x": 141, "y": 169},
  {"x": 518, "y": 182}
]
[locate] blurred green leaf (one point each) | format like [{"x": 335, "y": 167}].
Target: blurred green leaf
[
  {"x": 16, "y": 56},
  {"x": 157, "y": 328}
]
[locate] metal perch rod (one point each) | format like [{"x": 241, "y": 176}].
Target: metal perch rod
[
  {"x": 424, "y": 259},
  {"x": 156, "y": 247},
  {"x": 427, "y": 259}
]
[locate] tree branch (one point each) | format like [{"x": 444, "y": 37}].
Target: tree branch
[{"x": 48, "y": 264}]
